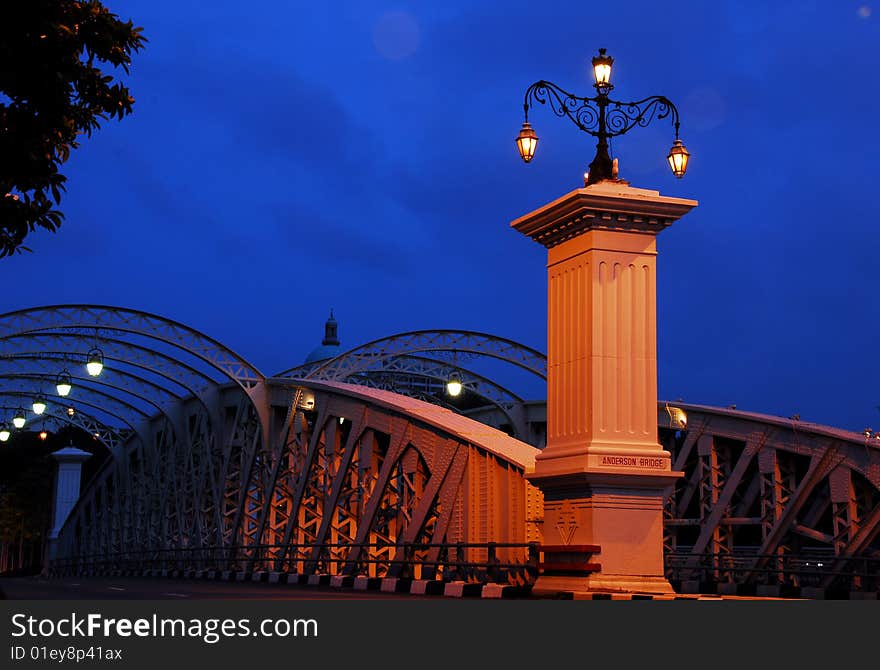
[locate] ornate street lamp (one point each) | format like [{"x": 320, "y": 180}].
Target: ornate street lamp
[
  {"x": 95, "y": 362},
  {"x": 63, "y": 383},
  {"x": 18, "y": 419},
  {"x": 4, "y": 432},
  {"x": 601, "y": 117}
]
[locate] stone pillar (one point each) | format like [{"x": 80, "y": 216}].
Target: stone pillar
[
  {"x": 70, "y": 460},
  {"x": 603, "y": 472}
]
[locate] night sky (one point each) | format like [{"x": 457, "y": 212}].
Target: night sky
[{"x": 288, "y": 158}]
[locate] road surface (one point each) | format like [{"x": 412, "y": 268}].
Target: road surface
[{"x": 157, "y": 588}]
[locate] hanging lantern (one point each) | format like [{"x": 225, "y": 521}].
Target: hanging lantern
[
  {"x": 678, "y": 158},
  {"x": 527, "y": 142},
  {"x": 454, "y": 385},
  {"x": 95, "y": 362},
  {"x": 63, "y": 383},
  {"x": 18, "y": 420},
  {"x": 39, "y": 405}
]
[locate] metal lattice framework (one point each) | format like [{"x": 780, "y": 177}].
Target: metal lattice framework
[
  {"x": 152, "y": 365},
  {"x": 90, "y": 318},
  {"x": 322, "y": 470},
  {"x": 373, "y": 354},
  {"x": 350, "y": 480},
  {"x": 111, "y": 437},
  {"x": 767, "y": 500},
  {"x": 392, "y": 363}
]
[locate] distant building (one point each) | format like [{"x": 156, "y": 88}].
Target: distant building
[{"x": 329, "y": 345}]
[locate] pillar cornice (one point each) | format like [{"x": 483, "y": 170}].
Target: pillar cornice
[{"x": 606, "y": 205}]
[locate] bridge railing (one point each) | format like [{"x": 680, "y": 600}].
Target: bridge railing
[
  {"x": 796, "y": 570},
  {"x": 497, "y": 562}
]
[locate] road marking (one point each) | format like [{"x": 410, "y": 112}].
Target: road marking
[
  {"x": 116, "y": 588},
  {"x": 176, "y": 595}
]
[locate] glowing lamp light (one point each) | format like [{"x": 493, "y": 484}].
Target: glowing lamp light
[
  {"x": 43, "y": 434},
  {"x": 18, "y": 420},
  {"x": 63, "y": 383},
  {"x": 527, "y": 142},
  {"x": 39, "y": 404},
  {"x": 70, "y": 411},
  {"x": 4, "y": 432},
  {"x": 95, "y": 362},
  {"x": 678, "y": 159},
  {"x": 602, "y": 69},
  {"x": 677, "y": 417},
  {"x": 454, "y": 385}
]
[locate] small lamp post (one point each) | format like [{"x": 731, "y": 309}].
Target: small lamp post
[{"x": 601, "y": 117}]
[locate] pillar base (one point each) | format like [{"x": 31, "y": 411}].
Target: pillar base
[
  {"x": 549, "y": 585},
  {"x": 603, "y": 531}
]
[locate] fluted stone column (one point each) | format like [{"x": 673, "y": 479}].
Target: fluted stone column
[{"x": 603, "y": 472}]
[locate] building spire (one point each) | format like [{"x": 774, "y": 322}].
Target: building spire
[{"x": 331, "y": 335}]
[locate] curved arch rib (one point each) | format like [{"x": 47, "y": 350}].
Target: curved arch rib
[{"x": 91, "y": 317}]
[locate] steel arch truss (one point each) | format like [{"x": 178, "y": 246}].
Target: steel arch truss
[
  {"x": 425, "y": 378},
  {"x": 100, "y": 318},
  {"x": 391, "y": 363},
  {"x": 111, "y": 437},
  {"x": 370, "y": 356},
  {"x": 344, "y": 484},
  {"x": 152, "y": 366},
  {"x": 771, "y": 501}
]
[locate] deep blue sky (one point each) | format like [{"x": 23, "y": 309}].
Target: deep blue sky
[{"x": 285, "y": 158}]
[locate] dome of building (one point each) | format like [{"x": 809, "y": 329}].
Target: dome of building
[{"x": 329, "y": 347}]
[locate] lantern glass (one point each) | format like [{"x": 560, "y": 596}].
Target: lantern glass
[
  {"x": 18, "y": 420},
  {"x": 63, "y": 384},
  {"x": 602, "y": 69},
  {"x": 677, "y": 417},
  {"x": 39, "y": 405},
  {"x": 4, "y": 432},
  {"x": 678, "y": 159},
  {"x": 527, "y": 142},
  {"x": 95, "y": 363},
  {"x": 454, "y": 385}
]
